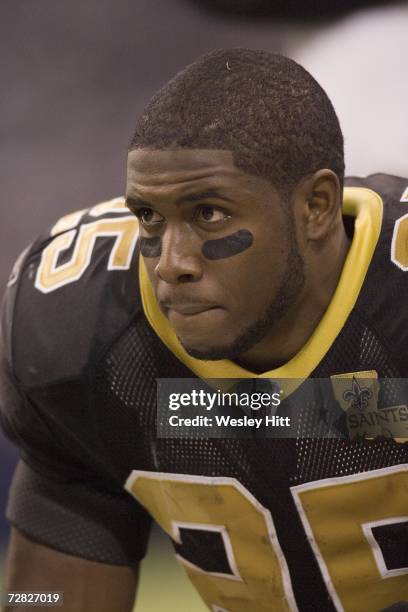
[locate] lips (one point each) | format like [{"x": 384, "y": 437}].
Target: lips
[{"x": 187, "y": 308}]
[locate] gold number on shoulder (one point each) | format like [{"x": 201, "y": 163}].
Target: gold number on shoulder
[
  {"x": 399, "y": 244},
  {"x": 51, "y": 275}
]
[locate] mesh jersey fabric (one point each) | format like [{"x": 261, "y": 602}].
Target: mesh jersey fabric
[{"x": 85, "y": 423}]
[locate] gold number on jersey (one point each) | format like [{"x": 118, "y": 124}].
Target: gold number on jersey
[
  {"x": 51, "y": 275},
  {"x": 338, "y": 515},
  {"x": 399, "y": 244},
  {"x": 259, "y": 578}
]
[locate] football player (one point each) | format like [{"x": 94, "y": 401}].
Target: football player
[{"x": 237, "y": 256}]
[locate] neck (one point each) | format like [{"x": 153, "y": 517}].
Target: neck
[{"x": 294, "y": 329}]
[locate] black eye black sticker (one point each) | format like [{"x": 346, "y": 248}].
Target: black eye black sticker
[
  {"x": 228, "y": 246},
  {"x": 151, "y": 247}
]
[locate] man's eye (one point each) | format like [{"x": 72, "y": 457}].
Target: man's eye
[
  {"x": 148, "y": 217},
  {"x": 210, "y": 214}
]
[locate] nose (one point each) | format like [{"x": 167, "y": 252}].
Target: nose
[{"x": 180, "y": 259}]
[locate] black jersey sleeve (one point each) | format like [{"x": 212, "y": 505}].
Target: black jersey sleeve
[
  {"x": 64, "y": 494},
  {"x": 61, "y": 500}
]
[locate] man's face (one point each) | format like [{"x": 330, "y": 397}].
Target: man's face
[{"x": 219, "y": 248}]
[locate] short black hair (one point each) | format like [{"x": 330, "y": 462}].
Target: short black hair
[{"x": 265, "y": 108}]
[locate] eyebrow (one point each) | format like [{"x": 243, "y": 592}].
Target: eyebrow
[
  {"x": 205, "y": 195},
  {"x": 190, "y": 198},
  {"x": 137, "y": 202}
]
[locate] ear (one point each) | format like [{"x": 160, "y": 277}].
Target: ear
[{"x": 320, "y": 198}]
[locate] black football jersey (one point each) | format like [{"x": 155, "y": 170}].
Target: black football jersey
[{"x": 259, "y": 524}]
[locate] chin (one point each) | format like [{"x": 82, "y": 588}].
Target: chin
[
  {"x": 208, "y": 352},
  {"x": 232, "y": 349}
]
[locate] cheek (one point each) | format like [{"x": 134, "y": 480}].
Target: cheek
[
  {"x": 151, "y": 247},
  {"x": 228, "y": 246},
  {"x": 253, "y": 279}
]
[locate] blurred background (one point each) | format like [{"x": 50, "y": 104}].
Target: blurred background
[{"x": 75, "y": 75}]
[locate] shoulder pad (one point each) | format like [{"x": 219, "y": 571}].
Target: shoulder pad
[
  {"x": 391, "y": 188},
  {"x": 385, "y": 289},
  {"x": 73, "y": 291}
]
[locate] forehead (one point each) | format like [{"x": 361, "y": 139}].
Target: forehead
[
  {"x": 187, "y": 169},
  {"x": 157, "y": 162},
  {"x": 178, "y": 169}
]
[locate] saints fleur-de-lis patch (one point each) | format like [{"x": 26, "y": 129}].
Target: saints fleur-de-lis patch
[
  {"x": 358, "y": 396},
  {"x": 366, "y": 415}
]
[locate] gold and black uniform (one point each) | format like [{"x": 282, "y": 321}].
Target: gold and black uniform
[{"x": 259, "y": 524}]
